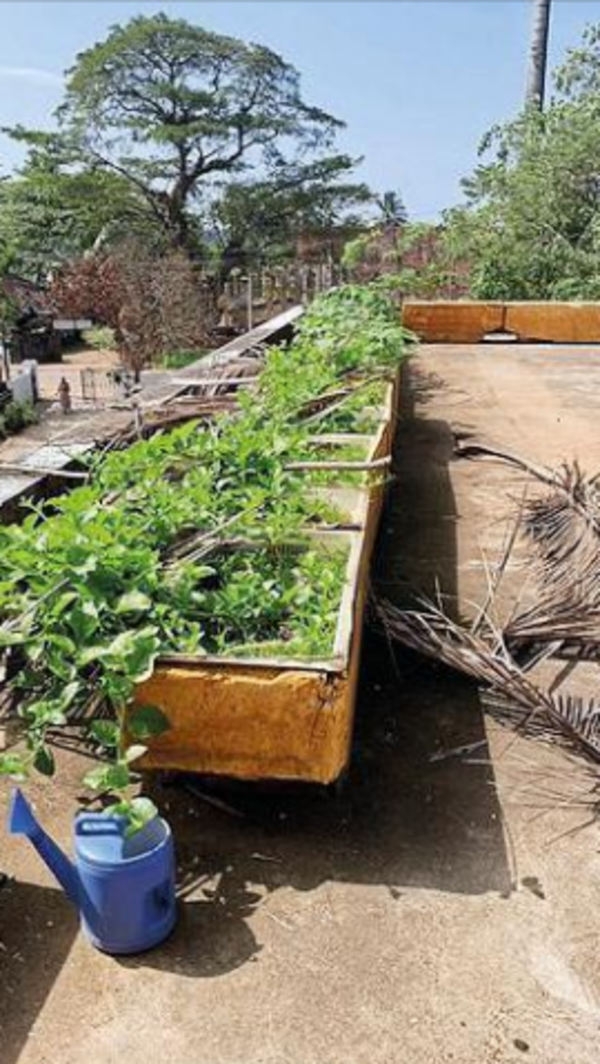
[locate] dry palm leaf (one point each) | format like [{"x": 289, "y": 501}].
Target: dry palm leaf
[
  {"x": 562, "y": 527},
  {"x": 431, "y": 632}
]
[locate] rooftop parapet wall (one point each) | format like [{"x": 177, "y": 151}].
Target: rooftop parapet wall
[{"x": 469, "y": 322}]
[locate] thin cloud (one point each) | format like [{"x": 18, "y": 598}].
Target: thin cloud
[{"x": 33, "y": 75}]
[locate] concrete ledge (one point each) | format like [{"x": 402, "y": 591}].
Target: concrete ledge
[
  {"x": 453, "y": 322},
  {"x": 564, "y": 323},
  {"x": 469, "y": 322}
]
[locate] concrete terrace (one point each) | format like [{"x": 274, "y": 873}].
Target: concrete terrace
[{"x": 437, "y": 907}]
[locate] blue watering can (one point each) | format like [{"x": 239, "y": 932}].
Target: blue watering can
[{"x": 123, "y": 887}]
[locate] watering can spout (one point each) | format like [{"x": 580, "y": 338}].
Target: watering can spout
[{"x": 22, "y": 821}]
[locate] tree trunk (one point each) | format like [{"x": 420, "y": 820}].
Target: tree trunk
[{"x": 538, "y": 54}]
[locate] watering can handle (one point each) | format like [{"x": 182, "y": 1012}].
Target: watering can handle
[
  {"x": 161, "y": 897},
  {"x": 98, "y": 824}
]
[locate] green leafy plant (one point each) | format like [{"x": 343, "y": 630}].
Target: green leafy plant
[
  {"x": 115, "y": 776},
  {"x": 100, "y": 337},
  {"x": 192, "y": 540},
  {"x": 181, "y": 359},
  {"x": 15, "y": 416}
]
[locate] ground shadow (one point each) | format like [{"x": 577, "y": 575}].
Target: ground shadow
[
  {"x": 212, "y": 935},
  {"x": 405, "y": 817},
  {"x": 37, "y": 929}
]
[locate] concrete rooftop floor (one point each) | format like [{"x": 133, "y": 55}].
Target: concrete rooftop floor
[{"x": 430, "y": 910}]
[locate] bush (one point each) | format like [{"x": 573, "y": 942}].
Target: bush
[
  {"x": 16, "y": 416},
  {"x": 101, "y": 338},
  {"x": 181, "y": 359}
]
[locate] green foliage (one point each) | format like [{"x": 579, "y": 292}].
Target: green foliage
[
  {"x": 98, "y": 583},
  {"x": 354, "y": 327},
  {"x": 360, "y": 412},
  {"x": 176, "y": 136},
  {"x": 409, "y": 260},
  {"x": 531, "y": 227},
  {"x": 181, "y": 359},
  {"x": 355, "y": 251},
  {"x": 9, "y": 312},
  {"x": 57, "y": 208},
  {"x": 170, "y": 106},
  {"x": 392, "y": 209},
  {"x": 16, "y": 416},
  {"x": 138, "y": 812},
  {"x": 116, "y": 777},
  {"x": 101, "y": 338},
  {"x": 258, "y": 221},
  {"x": 144, "y": 722}
]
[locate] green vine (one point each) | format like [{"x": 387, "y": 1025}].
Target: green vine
[{"x": 191, "y": 541}]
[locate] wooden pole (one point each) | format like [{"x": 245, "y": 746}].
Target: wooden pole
[{"x": 250, "y": 303}]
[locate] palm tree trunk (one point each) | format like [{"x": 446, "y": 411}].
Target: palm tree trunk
[{"x": 538, "y": 54}]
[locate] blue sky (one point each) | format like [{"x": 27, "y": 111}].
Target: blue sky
[{"x": 417, "y": 81}]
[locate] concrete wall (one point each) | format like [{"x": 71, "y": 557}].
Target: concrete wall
[
  {"x": 468, "y": 322},
  {"x": 23, "y": 384}
]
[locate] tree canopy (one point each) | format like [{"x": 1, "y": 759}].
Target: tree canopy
[
  {"x": 531, "y": 225},
  {"x": 56, "y": 209},
  {"x": 170, "y": 106},
  {"x": 259, "y": 221},
  {"x": 182, "y": 137}
]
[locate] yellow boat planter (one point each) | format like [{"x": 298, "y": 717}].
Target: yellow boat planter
[{"x": 268, "y": 718}]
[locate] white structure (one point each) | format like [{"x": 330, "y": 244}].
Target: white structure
[{"x": 24, "y": 385}]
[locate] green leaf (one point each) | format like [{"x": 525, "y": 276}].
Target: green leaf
[
  {"x": 104, "y": 778},
  {"x": 134, "y": 653},
  {"x": 141, "y": 812},
  {"x": 14, "y": 766},
  {"x": 83, "y": 621},
  {"x": 105, "y": 732},
  {"x": 45, "y": 713},
  {"x": 203, "y": 572},
  {"x": 96, "y": 778},
  {"x": 63, "y": 601},
  {"x": 44, "y": 761},
  {"x": 118, "y": 809},
  {"x": 145, "y": 722},
  {"x": 117, "y": 689},
  {"x": 11, "y": 639},
  {"x": 133, "y": 602},
  {"x": 144, "y": 808},
  {"x": 90, "y": 654},
  {"x": 70, "y": 693}
]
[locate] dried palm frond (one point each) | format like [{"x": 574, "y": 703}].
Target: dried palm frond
[
  {"x": 481, "y": 450},
  {"x": 562, "y": 527},
  {"x": 574, "y": 628},
  {"x": 573, "y": 494},
  {"x": 431, "y": 632}
]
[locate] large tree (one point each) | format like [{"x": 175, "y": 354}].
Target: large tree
[
  {"x": 55, "y": 210},
  {"x": 257, "y": 222},
  {"x": 392, "y": 209},
  {"x": 171, "y": 107}
]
